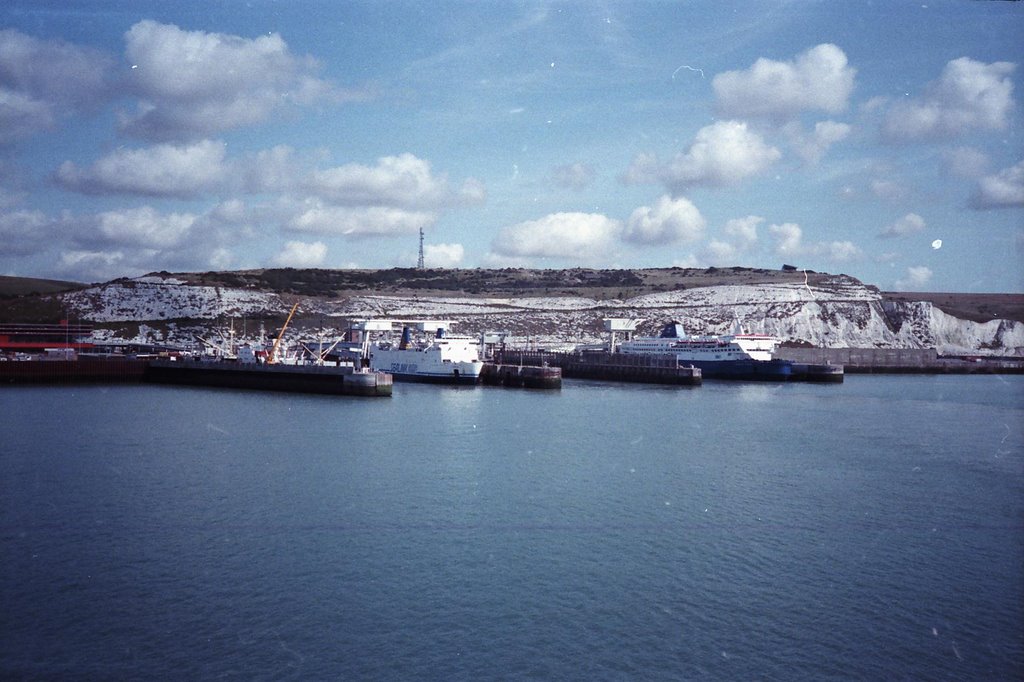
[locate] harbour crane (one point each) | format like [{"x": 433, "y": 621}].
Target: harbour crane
[{"x": 272, "y": 358}]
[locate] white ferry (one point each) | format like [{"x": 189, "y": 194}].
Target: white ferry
[
  {"x": 442, "y": 359},
  {"x": 738, "y": 355}
]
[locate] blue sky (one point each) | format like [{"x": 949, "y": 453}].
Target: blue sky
[{"x": 879, "y": 139}]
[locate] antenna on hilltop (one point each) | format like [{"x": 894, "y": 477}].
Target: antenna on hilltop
[{"x": 419, "y": 263}]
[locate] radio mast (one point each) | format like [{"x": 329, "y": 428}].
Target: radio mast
[{"x": 419, "y": 263}]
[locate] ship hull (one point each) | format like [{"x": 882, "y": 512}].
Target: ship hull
[
  {"x": 291, "y": 378},
  {"x": 745, "y": 370},
  {"x": 425, "y": 367},
  {"x": 423, "y": 378}
]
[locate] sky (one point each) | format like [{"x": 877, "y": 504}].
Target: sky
[{"x": 883, "y": 140}]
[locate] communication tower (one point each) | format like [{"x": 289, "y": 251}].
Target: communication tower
[{"x": 419, "y": 263}]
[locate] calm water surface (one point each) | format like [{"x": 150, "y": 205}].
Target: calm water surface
[{"x": 871, "y": 530}]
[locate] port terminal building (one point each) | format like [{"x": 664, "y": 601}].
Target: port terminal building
[{"x": 39, "y": 338}]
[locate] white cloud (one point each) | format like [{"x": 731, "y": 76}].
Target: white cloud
[
  {"x": 301, "y": 255},
  {"x": 644, "y": 170},
  {"x": 94, "y": 266},
  {"x": 125, "y": 242},
  {"x": 22, "y": 116},
  {"x": 743, "y": 230},
  {"x": 965, "y": 162},
  {"x": 905, "y": 226},
  {"x": 23, "y": 232},
  {"x": 741, "y": 234},
  {"x": 194, "y": 83},
  {"x": 687, "y": 261},
  {"x": 575, "y": 176},
  {"x": 811, "y": 148},
  {"x": 720, "y": 253},
  {"x": 818, "y": 79},
  {"x": 580, "y": 236},
  {"x": 969, "y": 95},
  {"x": 671, "y": 221},
  {"x": 219, "y": 259},
  {"x": 917, "y": 277},
  {"x": 789, "y": 243},
  {"x": 890, "y": 190},
  {"x": 723, "y": 153},
  {"x": 404, "y": 180},
  {"x": 840, "y": 252},
  {"x": 472, "y": 192},
  {"x": 788, "y": 239},
  {"x": 144, "y": 228},
  {"x": 1005, "y": 189},
  {"x": 443, "y": 255},
  {"x": 232, "y": 211},
  {"x": 270, "y": 170},
  {"x": 318, "y": 217},
  {"x": 163, "y": 170},
  {"x": 42, "y": 81},
  {"x": 498, "y": 261}
]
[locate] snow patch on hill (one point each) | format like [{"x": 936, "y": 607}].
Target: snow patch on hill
[{"x": 149, "y": 298}]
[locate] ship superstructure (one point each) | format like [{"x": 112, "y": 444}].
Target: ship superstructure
[
  {"x": 740, "y": 354},
  {"x": 425, "y": 352}
]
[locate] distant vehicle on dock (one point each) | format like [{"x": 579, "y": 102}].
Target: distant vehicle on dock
[{"x": 732, "y": 356}]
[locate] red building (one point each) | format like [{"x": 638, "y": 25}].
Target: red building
[{"x": 36, "y": 338}]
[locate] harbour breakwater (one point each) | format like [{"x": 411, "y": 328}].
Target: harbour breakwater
[
  {"x": 128, "y": 370},
  {"x": 665, "y": 368},
  {"x": 901, "y": 361},
  {"x": 652, "y": 369},
  {"x": 510, "y": 368}
]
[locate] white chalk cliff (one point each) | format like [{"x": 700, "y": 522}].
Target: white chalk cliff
[{"x": 837, "y": 311}]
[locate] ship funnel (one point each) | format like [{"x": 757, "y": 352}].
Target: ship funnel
[
  {"x": 406, "y": 334},
  {"x": 672, "y": 330}
]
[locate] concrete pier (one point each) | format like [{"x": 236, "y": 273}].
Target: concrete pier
[
  {"x": 72, "y": 371},
  {"x": 901, "y": 361},
  {"x": 521, "y": 376},
  {"x": 652, "y": 369}
]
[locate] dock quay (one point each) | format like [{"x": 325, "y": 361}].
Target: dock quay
[
  {"x": 521, "y": 375},
  {"x": 651, "y": 369},
  {"x": 325, "y": 379},
  {"x": 901, "y": 361},
  {"x": 82, "y": 370}
]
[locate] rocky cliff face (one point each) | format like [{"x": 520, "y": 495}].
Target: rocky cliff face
[{"x": 833, "y": 311}]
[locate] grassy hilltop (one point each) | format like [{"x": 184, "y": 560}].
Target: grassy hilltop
[{"x": 38, "y": 300}]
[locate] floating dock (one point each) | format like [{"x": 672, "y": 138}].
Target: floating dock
[
  {"x": 521, "y": 376},
  {"x": 651, "y": 369},
  {"x": 325, "y": 379}
]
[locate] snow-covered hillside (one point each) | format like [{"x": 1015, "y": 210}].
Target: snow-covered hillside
[
  {"x": 152, "y": 298},
  {"x": 835, "y": 312}
]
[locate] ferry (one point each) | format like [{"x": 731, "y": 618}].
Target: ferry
[
  {"x": 731, "y": 356},
  {"x": 443, "y": 359}
]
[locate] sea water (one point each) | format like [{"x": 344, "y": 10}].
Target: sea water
[{"x": 735, "y": 531}]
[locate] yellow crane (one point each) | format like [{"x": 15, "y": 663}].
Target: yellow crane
[{"x": 272, "y": 358}]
